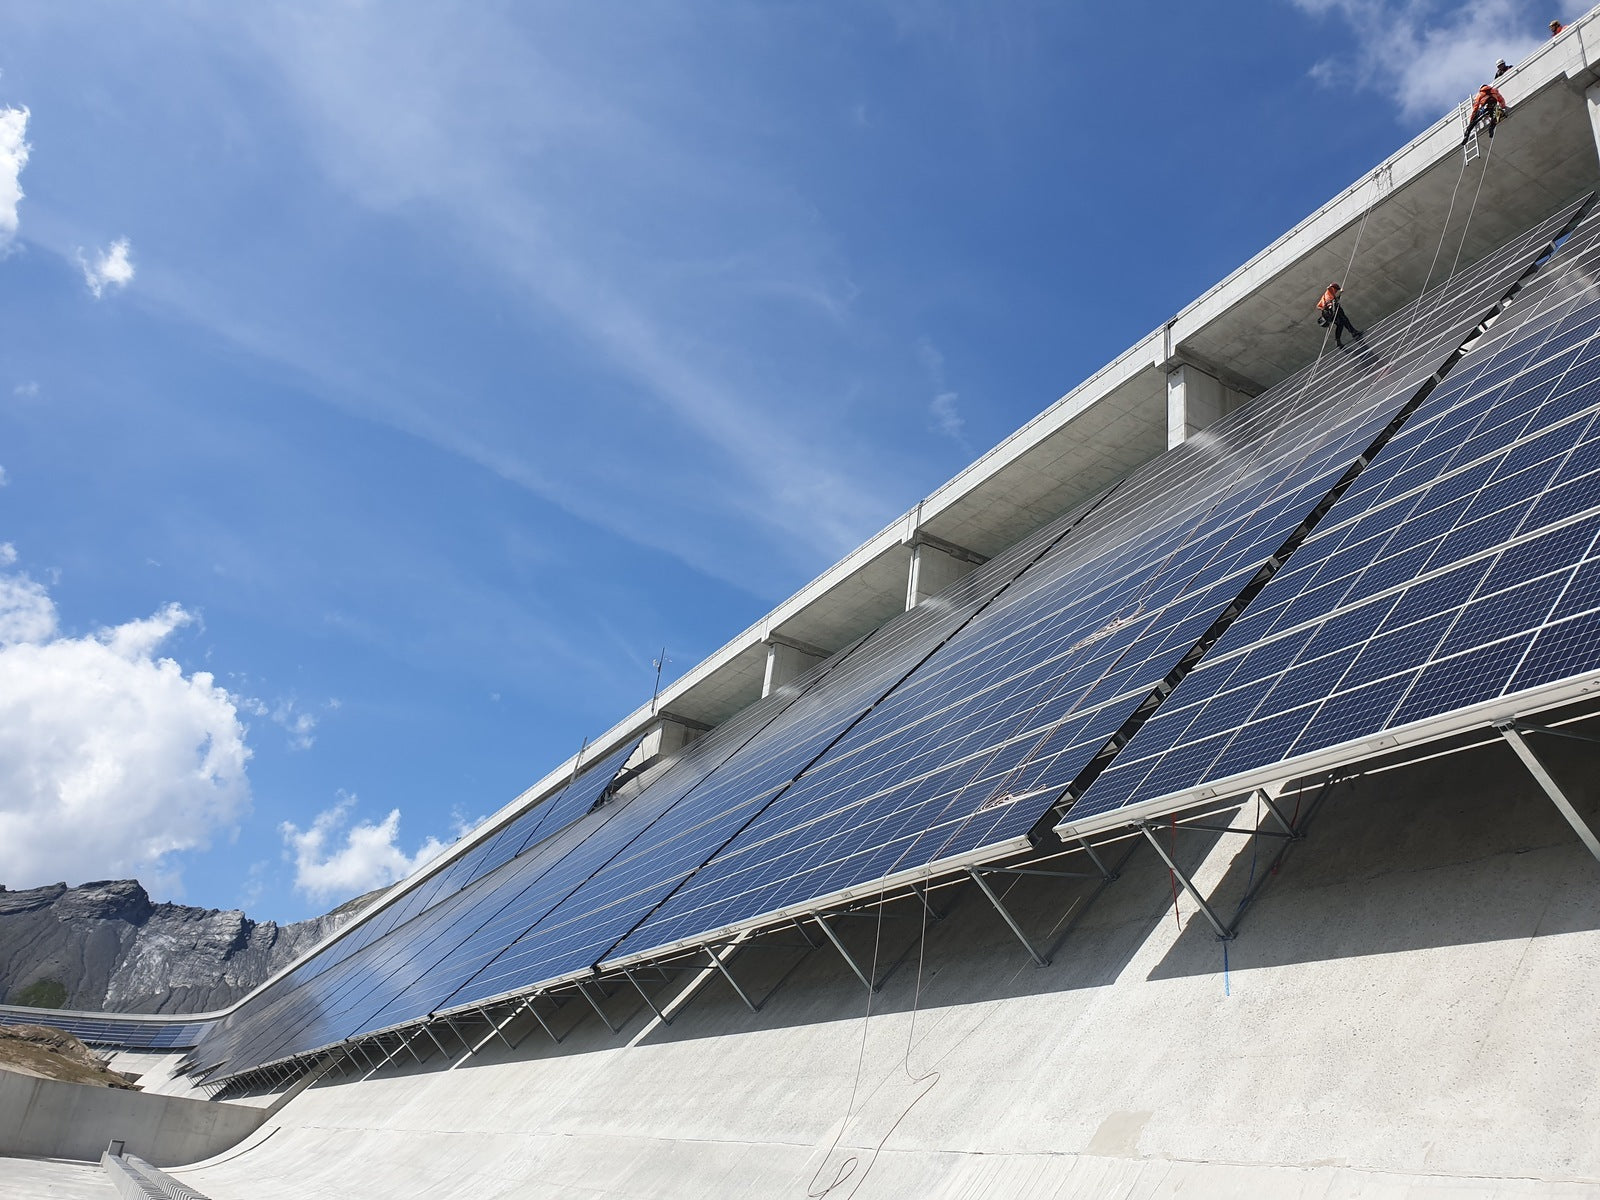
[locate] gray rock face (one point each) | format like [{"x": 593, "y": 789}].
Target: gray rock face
[{"x": 115, "y": 951}]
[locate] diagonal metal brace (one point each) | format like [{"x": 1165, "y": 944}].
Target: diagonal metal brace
[
  {"x": 595, "y": 1004},
  {"x": 838, "y": 945},
  {"x": 1224, "y": 932},
  {"x": 1513, "y": 734},
  {"x": 1039, "y": 960},
  {"x": 543, "y": 1024},
  {"x": 645, "y": 996},
  {"x": 716, "y": 960}
]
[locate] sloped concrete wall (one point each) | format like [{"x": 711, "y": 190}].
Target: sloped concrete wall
[
  {"x": 51, "y": 1119},
  {"x": 1408, "y": 1011}
]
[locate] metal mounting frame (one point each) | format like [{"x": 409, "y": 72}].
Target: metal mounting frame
[
  {"x": 870, "y": 984},
  {"x": 583, "y": 987},
  {"x": 1514, "y": 733},
  {"x": 716, "y": 961},
  {"x": 1106, "y": 876},
  {"x": 1289, "y": 834}
]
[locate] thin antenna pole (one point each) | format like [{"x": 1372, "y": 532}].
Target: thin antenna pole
[{"x": 658, "y": 663}]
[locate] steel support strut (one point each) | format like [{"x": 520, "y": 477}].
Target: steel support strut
[
  {"x": 732, "y": 982},
  {"x": 543, "y": 1024},
  {"x": 1225, "y": 933},
  {"x": 595, "y": 1004},
  {"x": 1558, "y": 797},
  {"x": 645, "y": 996},
  {"x": 849, "y": 960},
  {"x": 1039, "y": 960}
]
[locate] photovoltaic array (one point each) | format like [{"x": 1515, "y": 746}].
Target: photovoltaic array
[
  {"x": 1020, "y": 703},
  {"x": 949, "y": 734},
  {"x": 1460, "y": 569},
  {"x": 328, "y": 994}
]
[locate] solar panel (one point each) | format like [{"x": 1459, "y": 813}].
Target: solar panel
[
  {"x": 1460, "y": 569},
  {"x": 125, "y": 1032},
  {"x": 326, "y": 995},
  {"x": 945, "y": 735},
  {"x": 1020, "y": 703}
]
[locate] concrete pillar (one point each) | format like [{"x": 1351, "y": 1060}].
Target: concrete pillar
[
  {"x": 1591, "y": 97},
  {"x": 667, "y": 735},
  {"x": 935, "y": 565},
  {"x": 1196, "y": 400},
  {"x": 788, "y": 660}
]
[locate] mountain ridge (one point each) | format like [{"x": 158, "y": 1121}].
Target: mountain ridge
[{"x": 105, "y": 946}]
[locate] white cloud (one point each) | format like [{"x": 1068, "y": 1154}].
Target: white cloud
[
  {"x": 333, "y": 862},
  {"x": 13, "y": 157},
  {"x": 4, "y": 478},
  {"x": 112, "y": 760},
  {"x": 27, "y": 390},
  {"x": 111, "y": 267},
  {"x": 1425, "y": 55}
]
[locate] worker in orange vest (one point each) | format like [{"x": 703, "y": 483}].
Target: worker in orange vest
[
  {"x": 1555, "y": 28},
  {"x": 1330, "y": 311},
  {"x": 1488, "y": 105}
]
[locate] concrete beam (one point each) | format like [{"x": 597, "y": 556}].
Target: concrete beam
[
  {"x": 1195, "y": 400},
  {"x": 935, "y": 565},
  {"x": 787, "y": 661}
]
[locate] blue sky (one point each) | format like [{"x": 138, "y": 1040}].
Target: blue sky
[{"x": 384, "y": 384}]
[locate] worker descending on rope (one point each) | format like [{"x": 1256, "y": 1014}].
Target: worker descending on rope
[
  {"x": 1488, "y": 106},
  {"x": 1330, "y": 311}
]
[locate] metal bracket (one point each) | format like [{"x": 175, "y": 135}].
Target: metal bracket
[
  {"x": 1513, "y": 733},
  {"x": 543, "y": 1024},
  {"x": 1005, "y": 914},
  {"x": 716, "y": 960},
  {"x": 1525, "y": 727},
  {"x": 1224, "y": 932},
  {"x": 595, "y": 1004},
  {"x": 838, "y": 945},
  {"x": 645, "y": 996}
]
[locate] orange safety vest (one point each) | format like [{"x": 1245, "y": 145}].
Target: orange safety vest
[
  {"x": 1329, "y": 298},
  {"x": 1485, "y": 94}
]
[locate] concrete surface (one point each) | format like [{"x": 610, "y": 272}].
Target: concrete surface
[
  {"x": 1407, "y": 1012},
  {"x": 48, "y": 1118},
  {"x": 53, "y": 1179}
]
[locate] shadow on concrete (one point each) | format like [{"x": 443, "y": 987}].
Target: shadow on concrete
[
  {"x": 967, "y": 957},
  {"x": 1452, "y": 851}
]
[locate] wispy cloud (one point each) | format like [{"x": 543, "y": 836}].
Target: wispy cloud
[
  {"x": 534, "y": 161},
  {"x": 109, "y": 268},
  {"x": 335, "y": 860},
  {"x": 944, "y": 407},
  {"x": 26, "y": 390},
  {"x": 296, "y": 722},
  {"x": 14, "y": 150},
  {"x": 1424, "y": 55},
  {"x": 947, "y": 419}
]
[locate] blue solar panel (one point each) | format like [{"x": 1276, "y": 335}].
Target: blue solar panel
[
  {"x": 1023, "y": 700},
  {"x": 328, "y": 996},
  {"x": 111, "y": 1029},
  {"x": 1459, "y": 569},
  {"x": 947, "y": 732}
]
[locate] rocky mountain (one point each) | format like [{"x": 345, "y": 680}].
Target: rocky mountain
[{"x": 106, "y": 947}]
